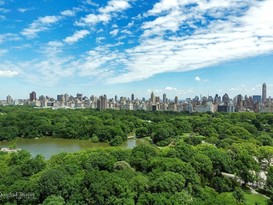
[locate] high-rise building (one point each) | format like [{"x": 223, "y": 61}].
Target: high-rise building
[
  {"x": 152, "y": 97},
  {"x": 102, "y": 103},
  {"x": 264, "y": 93},
  {"x": 164, "y": 98},
  {"x": 132, "y": 97},
  {"x": 32, "y": 96},
  {"x": 225, "y": 99},
  {"x": 9, "y": 100},
  {"x": 257, "y": 98},
  {"x": 176, "y": 100},
  {"x": 116, "y": 98},
  {"x": 217, "y": 99},
  {"x": 79, "y": 96}
]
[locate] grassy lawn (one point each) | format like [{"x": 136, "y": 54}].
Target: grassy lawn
[
  {"x": 251, "y": 199},
  {"x": 254, "y": 199}
]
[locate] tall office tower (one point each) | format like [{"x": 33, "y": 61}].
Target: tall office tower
[
  {"x": 116, "y": 98},
  {"x": 239, "y": 101},
  {"x": 93, "y": 98},
  {"x": 60, "y": 98},
  {"x": 79, "y": 96},
  {"x": 42, "y": 98},
  {"x": 164, "y": 98},
  {"x": 102, "y": 103},
  {"x": 210, "y": 98},
  {"x": 225, "y": 98},
  {"x": 122, "y": 99},
  {"x": 9, "y": 100},
  {"x": 32, "y": 96},
  {"x": 176, "y": 99},
  {"x": 66, "y": 98},
  {"x": 217, "y": 99},
  {"x": 132, "y": 97},
  {"x": 152, "y": 97},
  {"x": 264, "y": 93}
]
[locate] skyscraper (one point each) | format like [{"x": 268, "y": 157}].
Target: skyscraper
[
  {"x": 164, "y": 98},
  {"x": 176, "y": 100},
  {"x": 264, "y": 93},
  {"x": 9, "y": 100},
  {"x": 225, "y": 98},
  {"x": 102, "y": 103},
  {"x": 152, "y": 97},
  {"x": 132, "y": 97},
  {"x": 32, "y": 96}
]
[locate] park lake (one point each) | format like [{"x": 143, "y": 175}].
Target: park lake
[{"x": 47, "y": 146}]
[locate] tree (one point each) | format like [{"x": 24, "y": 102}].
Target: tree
[
  {"x": 116, "y": 141},
  {"x": 266, "y": 155},
  {"x": 51, "y": 183},
  {"x": 141, "y": 155},
  {"x": 101, "y": 187},
  {"x": 202, "y": 165},
  {"x": 99, "y": 160},
  {"x": 54, "y": 200},
  {"x": 246, "y": 167},
  {"x": 183, "y": 151},
  {"x": 161, "y": 136},
  {"x": 265, "y": 139},
  {"x": 33, "y": 166},
  {"x": 269, "y": 180},
  {"x": 167, "y": 182},
  {"x": 139, "y": 185},
  {"x": 238, "y": 194},
  {"x": 142, "y": 132},
  {"x": 221, "y": 161},
  {"x": 240, "y": 132}
]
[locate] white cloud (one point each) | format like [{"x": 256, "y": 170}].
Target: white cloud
[
  {"x": 170, "y": 89},
  {"x": 48, "y": 19},
  {"x": 76, "y": 36},
  {"x": 68, "y": 13},
  {"x": 8, "y": 37},
  {"x": 165, "y": 5},
  {"x": 100, "y": 39},
  {"x": 2, "y": 17},
  {"x": 165, "y": 47},
  {"x": 39, "y": 25},
  {"x": 3, "y": 10},
  {"x": 89, "y": 2},
  {"x": 8, "y": 73},
  {"x": 3, "y": 52},
  {"x": 51, "y": 67},
  {"x": 115, "y": 6},
  {"x": 23, "y": 10},
  {"x": 114, "y": 32},
  {"x": 197, "y": 78},
  {"x": 105, "y": 14}
]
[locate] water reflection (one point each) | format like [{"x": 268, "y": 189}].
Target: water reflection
[{"x": 47, "y": 146}]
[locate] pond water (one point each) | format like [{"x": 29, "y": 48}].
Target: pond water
[{"x": 48, "y": 146}]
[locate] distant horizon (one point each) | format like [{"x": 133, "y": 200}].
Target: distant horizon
[
  {"x": 141, "y": 97},
  {"x": 120, "y": 47}
]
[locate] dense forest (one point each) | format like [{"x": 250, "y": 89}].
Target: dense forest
[{"x": 199, "y": 159}]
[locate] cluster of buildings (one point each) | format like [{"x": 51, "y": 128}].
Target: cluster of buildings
[{"x": 255, "y": 103}]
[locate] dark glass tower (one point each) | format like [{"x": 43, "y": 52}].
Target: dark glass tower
[{"x": 264, "y": 93}]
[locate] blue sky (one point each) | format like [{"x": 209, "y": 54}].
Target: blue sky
[{"x": 177, "y": 47}]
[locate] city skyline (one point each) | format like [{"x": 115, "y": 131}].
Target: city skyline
[
  {"x": 181, "y": 48},
  {"x": 153, "y": 95}
]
